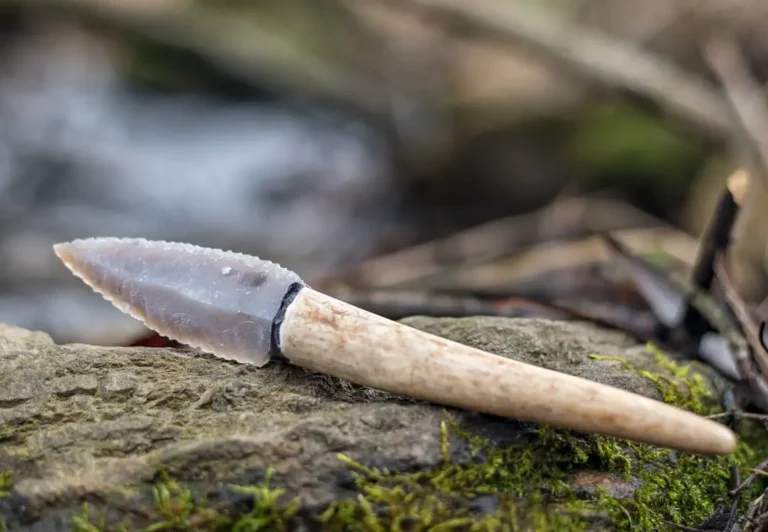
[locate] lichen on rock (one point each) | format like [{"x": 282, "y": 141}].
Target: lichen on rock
[{"x": 166, "y": 439}]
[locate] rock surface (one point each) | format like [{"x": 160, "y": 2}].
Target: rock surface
[{"x": 101, "y": 425}]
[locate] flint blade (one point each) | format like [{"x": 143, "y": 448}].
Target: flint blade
[{"x": 219, "y": 301}]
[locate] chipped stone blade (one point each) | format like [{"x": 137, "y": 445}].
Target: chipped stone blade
[{"x": 219, "y": 301}]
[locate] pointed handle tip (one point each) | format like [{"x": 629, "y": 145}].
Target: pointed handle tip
[
  {"x": 701, "y": 435},
  {"x": 723, "y": 441}
]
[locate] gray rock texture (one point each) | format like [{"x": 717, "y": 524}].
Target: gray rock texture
[{"x": 101, "y": 425}]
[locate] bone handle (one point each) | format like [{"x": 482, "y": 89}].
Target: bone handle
[{"x": 324, "y": 334}]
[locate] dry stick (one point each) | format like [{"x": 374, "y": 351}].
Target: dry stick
[
  {"x": 397, "y": 304},
  {"x": 659, "y": 293},
  {"x": 682, "y": 528},
  {"x": 762, "y": 315},
  {"x": 745, "y": 415},
  {"x": 634, "y": 330},
  {"x": 595, "y": 55},
  {"x": 746, "y": 99},
  {"x": 715, "y": 239},
  {"x": 750, "y": 479},
  {"x": 741, "y": 310},
  {"x": 706, "y": 306},
  {"x": 749, "y": 239},
  {"x": 568, "y": 218},
  {"x": 736, "y": 498},
  {"x": 755, "y": 379}
]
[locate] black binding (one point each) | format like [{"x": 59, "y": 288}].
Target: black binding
[{"x": 274, "y": 349}]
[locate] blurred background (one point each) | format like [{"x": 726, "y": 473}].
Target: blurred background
[{"x": 325, "y": 133}]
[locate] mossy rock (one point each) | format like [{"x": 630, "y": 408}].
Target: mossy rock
[{"x": 105, "y": 438}]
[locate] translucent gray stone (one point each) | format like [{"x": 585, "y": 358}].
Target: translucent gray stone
[{"x": 219, "y": 301}]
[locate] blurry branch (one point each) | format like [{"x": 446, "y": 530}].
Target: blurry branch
[
  {"x": 398, "y": 304},
  {"x": 756, "y": 472},
  {"x": 740, "y": 310},
  {"x": 302, "y": 48},
  {"x": 568, "y": 218},
  {"x": 744, "y": 94},
  {"x": 714, "y": 240},
  {"x": 750, "y": 114},
  {"x": 596, "y": 56}
]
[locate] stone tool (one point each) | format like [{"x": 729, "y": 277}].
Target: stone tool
[{"x": 250, "y": 310}]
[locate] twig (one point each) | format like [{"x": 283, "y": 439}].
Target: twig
[
  {"x": 594, "y": 55},
  {"x": 669, "y": 298},
  {"x": 735, "y": 480},
  {"x": 567, "y": 218},
  {"x": 746, "y": 415},
  {"x": 665, "y": 298},
  {"x": 738, "y": 183},
  {"x": 714, "y": 240},
  {"x": 396, "y": 304},
  {"x": 742, "y": 313},
  {"x": 750, "y": 479},
  {"x": 762, "y": 315},
  {"x": 681, "y": 527},
  {"x": 749, "y": 239}
]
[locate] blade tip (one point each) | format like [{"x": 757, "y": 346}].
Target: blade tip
[
  {"x": 64, "y": 251},
  {"x": 67, "y": 251}
]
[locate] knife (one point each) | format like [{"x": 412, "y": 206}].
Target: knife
[{"x": 243, "y": 308}]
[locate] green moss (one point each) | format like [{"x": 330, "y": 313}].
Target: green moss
[
  {"x": 268, "y": 513},
  {"x": 6, "y": 433},
  {"x": 530, "y": 482},
  {"x": 177, "y": 509},
  {"x": 11, "y": 432},
  {"x": 680, "y": 385},
  {"x": 82, "y": 522},
  {"x": 6, "y": 483}
]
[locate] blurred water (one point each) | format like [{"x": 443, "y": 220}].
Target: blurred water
[{"x": 81, "y": 155}]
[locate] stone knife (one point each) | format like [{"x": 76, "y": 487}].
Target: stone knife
[{"x": 247, "y": 309}]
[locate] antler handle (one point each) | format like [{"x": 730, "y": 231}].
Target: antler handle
[{"x": 324, "y": 334}]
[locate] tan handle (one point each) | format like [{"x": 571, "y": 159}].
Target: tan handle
[{"x": 324, "y": 334}]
